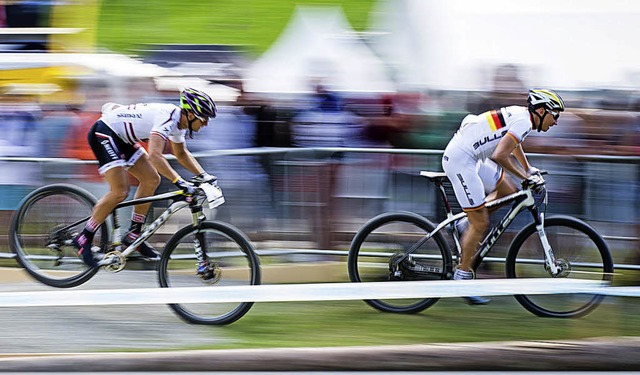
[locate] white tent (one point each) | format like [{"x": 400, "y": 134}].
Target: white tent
[
  {"x": 558, "y": 43},
  {"x": 317, "y": 44}
]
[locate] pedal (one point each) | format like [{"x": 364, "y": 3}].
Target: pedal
[{"x": 395, "y": 273}]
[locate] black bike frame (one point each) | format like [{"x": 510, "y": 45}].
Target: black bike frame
[
  {"x": 155, "y": 225},
  {"x": 151, "y": 228}
]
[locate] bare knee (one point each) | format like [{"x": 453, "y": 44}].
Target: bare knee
[
  {"x": 117, "y": 195},
  {"x": 151, "y": 181}
]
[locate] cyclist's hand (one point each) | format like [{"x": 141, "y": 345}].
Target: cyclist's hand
[
  {"x": 535, "y": 182},
  {"x": 533, "y": 170},
  {"x": 186, "y": 187},
  {"x": 205, "y": 178}
]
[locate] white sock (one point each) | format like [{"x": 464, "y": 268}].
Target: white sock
[{"x": 459, "y": 274}]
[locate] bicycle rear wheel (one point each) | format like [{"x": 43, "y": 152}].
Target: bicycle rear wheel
[
  {"x": 579, "y": 250},
  {"x": 40, "y": 231},
  {"x": 385, "y": 239},
  {"x": 233, "y": 260}
]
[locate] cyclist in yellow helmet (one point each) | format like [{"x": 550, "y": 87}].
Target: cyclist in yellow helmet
[{"x": 480, "y": 151}]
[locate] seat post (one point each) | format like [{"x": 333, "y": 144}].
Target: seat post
[{"x": 440, "y": 185}]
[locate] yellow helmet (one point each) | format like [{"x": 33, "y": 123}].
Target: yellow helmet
[{"x": 548, "y": 99}]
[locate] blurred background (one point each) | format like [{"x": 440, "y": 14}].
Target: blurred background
[{"x": 328, "y": 109}]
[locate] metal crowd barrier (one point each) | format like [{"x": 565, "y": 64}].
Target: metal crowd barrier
[{"x": 310, "y": 201}]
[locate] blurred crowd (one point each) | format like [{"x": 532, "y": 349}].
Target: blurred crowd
[{"x": 597, "y": 122}]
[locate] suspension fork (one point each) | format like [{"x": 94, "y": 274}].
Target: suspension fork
[
  {"x": 198, "y": 245},
  {"x": 199, "y": 242},
  {"x": 549, "y": 257}
]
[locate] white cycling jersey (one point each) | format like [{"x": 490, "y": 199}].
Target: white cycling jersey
[
  {"x": 466, "y": 159},
  {"x": 479, "y": 135},
  {"x": 136, "y": 122}
]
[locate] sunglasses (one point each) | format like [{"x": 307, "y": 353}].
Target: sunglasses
[
  {"x": 555, "y": 114},
  {"x": 205, "y": 121}
]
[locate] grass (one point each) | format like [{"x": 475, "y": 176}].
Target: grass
[
  {"x": 353, "y": 323},
  {"x": 124, "y": 25}
]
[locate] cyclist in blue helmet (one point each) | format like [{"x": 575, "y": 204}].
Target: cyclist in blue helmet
[{"x": 115, "y": 140}]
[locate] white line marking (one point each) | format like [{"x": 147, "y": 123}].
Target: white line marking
[{"x": 309, "y": 292}]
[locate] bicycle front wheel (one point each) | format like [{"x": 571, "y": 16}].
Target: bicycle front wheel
[
  {"x": 393, "y": 247},
  {"x": 41, "y": 228},
  {"x": 232, "y": 259},
  {"x": 580, "y": 252}
]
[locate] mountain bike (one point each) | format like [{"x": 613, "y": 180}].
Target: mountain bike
[
  {"x": 399, "y": 246},
  {"x": 47, "y": 220}
]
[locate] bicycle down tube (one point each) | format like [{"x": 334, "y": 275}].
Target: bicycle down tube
[
  {"x": 491, "y": 237},
  {"x": 151, "y": 228}
]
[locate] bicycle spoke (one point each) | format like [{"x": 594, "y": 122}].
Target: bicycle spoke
[
  {"x": 580, "y": 253},
  {"x": 42, "y": 229},
  {"x": 231, "y": 261},
  {"x": 395, "y": 247}
]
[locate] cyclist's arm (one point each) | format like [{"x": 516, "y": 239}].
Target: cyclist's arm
[
  {"x": 518, "y": 152},
  {"x": 502, "y": 156},
  {"x": 160, "y": 163},
  {"x": 185, "y": 158}
]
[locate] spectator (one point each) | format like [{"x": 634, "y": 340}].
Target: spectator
[
  {"x": 326, "y": 124},
  {"x": 18, "y": 138}
]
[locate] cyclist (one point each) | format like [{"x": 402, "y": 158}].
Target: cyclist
[
  {"x": 480, "y": 151},
  {"x": 114, "y": 139}
]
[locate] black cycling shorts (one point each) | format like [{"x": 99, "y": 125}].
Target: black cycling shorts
[{"x": 110, "y": 150}]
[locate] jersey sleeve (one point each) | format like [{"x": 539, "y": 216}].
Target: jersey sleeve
[
  {"x": 520, "y": 129},
  {"x": 178, "y": 136},
  {"x": 165, "y": 123}
]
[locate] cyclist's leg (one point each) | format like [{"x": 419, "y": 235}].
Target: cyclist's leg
[
  {"x": 106, "y": 147},
  {"x": 462, "y": 171},
  {"x": 469, "y": 189},
  {"x": 149, "y": 180},
  {"x": 478, "y": 224},
  {"x": 116, "y": 177},
  {"x": 118, "y": 187},
  {"x": 496, "y": 183}
]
